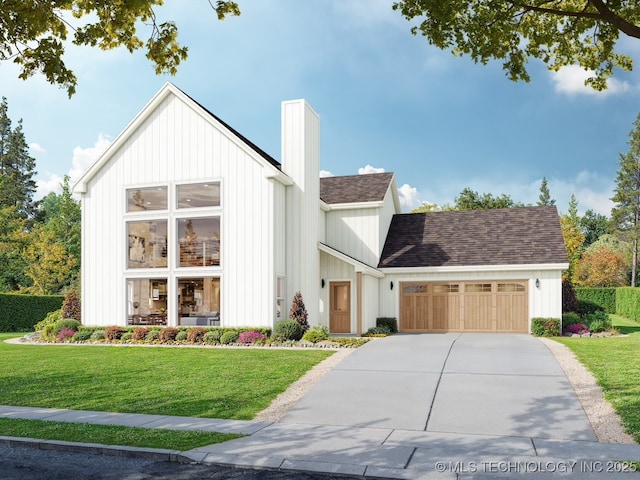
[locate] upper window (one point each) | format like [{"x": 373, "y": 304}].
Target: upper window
[
  {"x": 194, "y": 195},
  {"x": 147, "y": 244},
  {"x": 199, "y": 241},
  {"x": 477, "y": 287},
  {"x": 452, "y": 288},
  {"x": 510, "y": 287},
  {"x": 148, "y": 198}
]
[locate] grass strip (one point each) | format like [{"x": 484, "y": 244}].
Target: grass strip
[
  {"x": 615, "y": 362},
  {"x": 193, "y": 382},
  {"x": 181, "y": 440}
]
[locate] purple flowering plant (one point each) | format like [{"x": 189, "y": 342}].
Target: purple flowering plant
[
  {"x": 579, "y": 328},
  {"x": 250, "y": 337},
  {"x": 66, "y": 334}
]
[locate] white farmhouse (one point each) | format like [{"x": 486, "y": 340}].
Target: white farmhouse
[{"x": 187, "y": 222}]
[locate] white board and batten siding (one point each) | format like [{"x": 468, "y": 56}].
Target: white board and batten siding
[{"x": 176, "y": 143}]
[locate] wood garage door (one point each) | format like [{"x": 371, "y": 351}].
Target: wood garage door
[{"x": 464, "y": 306}]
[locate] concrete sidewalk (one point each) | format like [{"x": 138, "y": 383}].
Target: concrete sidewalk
[{"x": 445, "y": 406}]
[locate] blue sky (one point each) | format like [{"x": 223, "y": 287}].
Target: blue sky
[{"x": 386, "y": 100}]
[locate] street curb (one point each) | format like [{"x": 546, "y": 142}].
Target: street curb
[{"x": 155, "y": 454}]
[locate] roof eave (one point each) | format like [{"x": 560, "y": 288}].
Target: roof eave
[
  {"x": 478, "y": 268},
  {"x": 353, "y": 206}
]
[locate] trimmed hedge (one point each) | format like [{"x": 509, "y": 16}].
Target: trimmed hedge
[
  {"x": 19, "y": 313},
  {"x": 628, "y": 302},
  {"x": 603, "y": 297}
]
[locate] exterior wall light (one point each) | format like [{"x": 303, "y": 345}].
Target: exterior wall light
[
  {"x": 391, "y": 285},
  {"x": 322, "y": 283},
  {"x": 537, "y": 283}
]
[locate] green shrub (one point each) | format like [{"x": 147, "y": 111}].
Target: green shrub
[
  {"x": 598, "y": 322},
  {"x": 213, "y": 336},
  {"x": 152, "y": 336},
  {"x": 586, "y": 307},
  {"x": 287, "y": 330},
  {"x": 230, "y": 336},
  {"x": 381, "y": 331},
  {"x": 83, "y": 335},
  {"x": 570, "y": 318},
  {"x": 349, "y": 342},
  {"x": 545, "y": 327},
  {"x": 181, "y": 336},
  {"x": 605, "y": 298},
  {"x": 139, "y": 334},
  {"x": 113, "y": 333},
  {"x": 391, "y": 323},
  {"x": 68, "y": 323},
  {"x": 20, "y": 313},
  {"x": 48, "y": 333},
  {"x": 168, "y": 334},
  {"x": 316, "y": 334},
  {"x": 97, "y": 334},
  {"x": 71, "y": 306},
  {"x": 196, "y": 334},
  {"x": 126, "y": 336},
  {"x": 52, "y": 317},
  {"x": 628, "y": 302}
]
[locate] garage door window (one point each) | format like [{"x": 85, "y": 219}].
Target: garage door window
[
  {"x": 446, "y": 288},
  {"x": 477, "y": 287},
  {"x": 414, "y": 289},
  {"x": 510, "y": 287}
]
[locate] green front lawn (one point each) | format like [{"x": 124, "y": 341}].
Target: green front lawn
[
  {"x": 112, "y": 434},
  {"x": 615, "y": 362},
  {"x": 195, "y": 382}
]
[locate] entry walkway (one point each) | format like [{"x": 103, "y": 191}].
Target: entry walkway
[{"x": 445, "y": 406}]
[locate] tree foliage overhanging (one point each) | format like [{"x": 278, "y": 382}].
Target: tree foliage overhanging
[
  {"x": 559, "y": 32},
  {"x": 33, "y": 33}
]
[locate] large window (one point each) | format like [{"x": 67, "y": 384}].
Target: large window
[
  {"x": 199, "y": 301},
  {"x": 149, "y": 198},
  {"x": 199, "y": 242},
  {"x": 147, "y": 244},
  {"x": 147, "y": 301},
  {"x": 195, "y": 195}
]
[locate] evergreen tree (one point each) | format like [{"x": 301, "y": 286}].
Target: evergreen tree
[
  {"x": 298, "y": 312},
  {"x": 17, "y": 167},
  {"x": 625, "y": 215},
  {"x": 545, "y": 200}
]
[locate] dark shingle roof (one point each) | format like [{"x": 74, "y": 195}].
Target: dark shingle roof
[
  {"x": 529, "y": 235},
  {"x": 370, "y": 187}
]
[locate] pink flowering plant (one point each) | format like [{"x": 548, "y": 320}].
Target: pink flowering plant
[
  {"x": 250, "y": 337},
  {"x": 66, "y": 334},
  {"x": 579, "y": 328}
]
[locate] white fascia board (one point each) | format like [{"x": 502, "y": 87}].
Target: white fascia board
[
  {"x": 353, "y": 206},
  {"x": 278, "y": 175},
  {"x": 396, "y": 197},
  {"x": 357, "y": 265},
  {"x": 478, "y": 268}
]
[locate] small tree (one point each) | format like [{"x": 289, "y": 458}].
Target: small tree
[
  {"x": 298, "y": 312},
  {"x": 544, "y": 199},
  {"x": 71, "y": 306}
]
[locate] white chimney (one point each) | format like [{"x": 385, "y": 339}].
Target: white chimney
[{"x": 301, "y": 162}]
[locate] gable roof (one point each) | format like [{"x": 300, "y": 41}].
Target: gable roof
[
  {"x": 371, "y": 187},
  {"x": 170, "y": 89},
  {"x": 510, "y": 236}
]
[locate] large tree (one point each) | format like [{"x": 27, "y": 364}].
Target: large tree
[
  {"x": 594, "y": 225},
  {"x": 33, "y": 33},
  {"x": 17, "y": 167},
  {"x": 625, "y": 215},
  {"x": 559, "y": 32}
]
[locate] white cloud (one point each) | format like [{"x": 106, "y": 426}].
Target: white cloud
[
  {"x": 409, "y": 197},
  {"x": 83, "y": 158},
  {"x": 36, "y": 148},
  {"x": 325, "y": 173},
  {"x": 570, "y": 80},
  {"x": 369, "y": 169}
]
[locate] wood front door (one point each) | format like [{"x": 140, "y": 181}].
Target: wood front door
[{"x": 340, "y": 311}]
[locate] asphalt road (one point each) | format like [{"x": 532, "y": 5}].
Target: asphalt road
[{"x": 35, "y": 464}]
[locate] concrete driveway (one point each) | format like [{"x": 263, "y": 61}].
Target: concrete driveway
[{"x": 488, "y": 384}]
